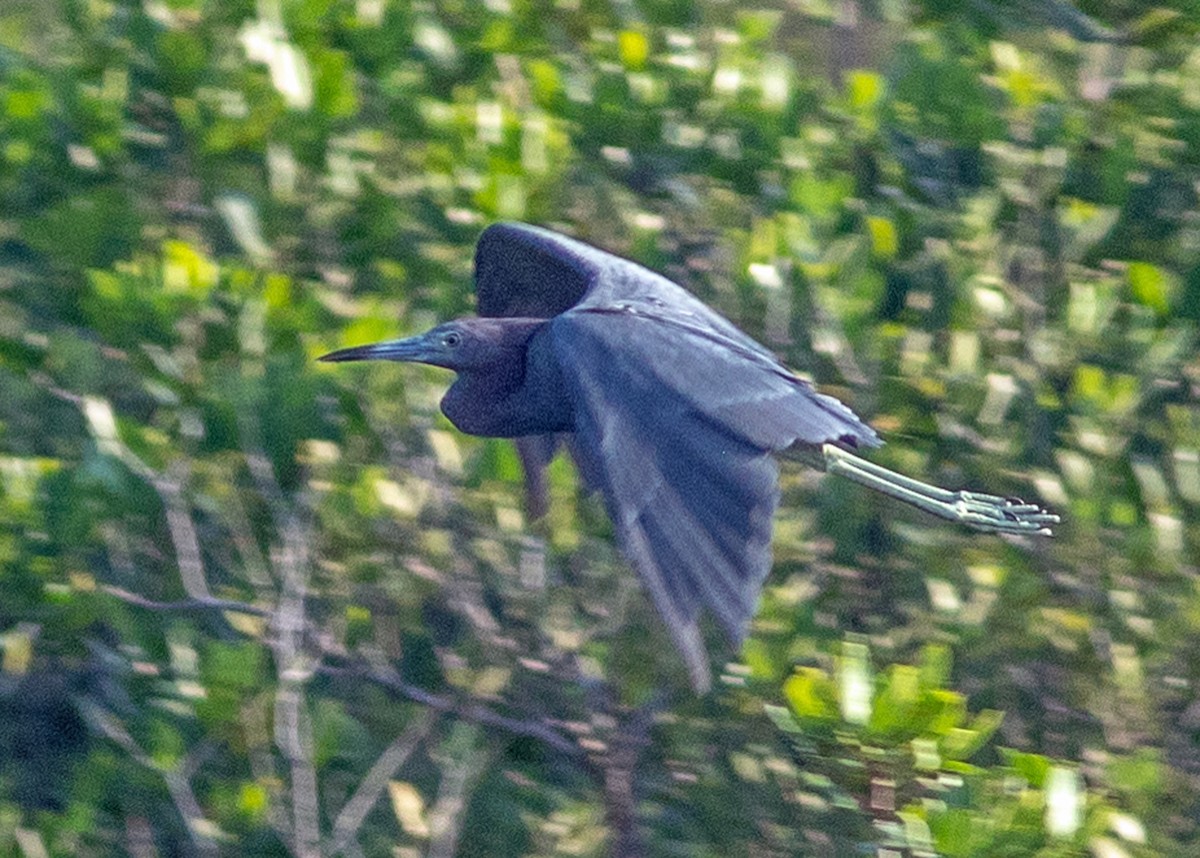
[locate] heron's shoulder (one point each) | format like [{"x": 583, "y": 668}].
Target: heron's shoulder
[
  {"x": 642, "y": 296},
  {"x": 645, "y": 328}
]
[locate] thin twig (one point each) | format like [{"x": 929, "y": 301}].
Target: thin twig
[
  {"x": 467, "y": 710},
  {"x": 203, "y": 604},
  {"x": 293, "y": 737},
  {"x": 256, "y": 730},
  {"x": 182, "y": 528},
  {"x": 169, "y": 486},
  {"x": 293, "y": 665},
  {"x": 191, "y": 570},
  {"x": 253, "y": 562}
]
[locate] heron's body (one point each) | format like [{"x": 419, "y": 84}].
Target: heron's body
[
  {"x": 670, "y": 411},
  {"x": 521, "y": 393}
]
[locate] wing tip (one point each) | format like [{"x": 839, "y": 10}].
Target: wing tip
[
  {"x": 695, "y": 655},
  {"x": 869, "y": 439}
]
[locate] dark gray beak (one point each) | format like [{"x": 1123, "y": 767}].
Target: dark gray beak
[{"x": 411, "y": 349}]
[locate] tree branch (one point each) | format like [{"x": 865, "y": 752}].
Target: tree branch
[
  {"x": 467, "y": 710},
  {"x": 620, "y": 765},
  {"x": 354, "y": 812},
  {"x": 459, "y": 779},
  {"x": 289, "y": 620},
  {"x": 208, "y": 603},
  {"x": 177, "y": 780}
]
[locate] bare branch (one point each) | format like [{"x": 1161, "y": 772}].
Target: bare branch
[
  {"x": 256, "y": 729},
  {"x": 139, "y": 837},
  {"x": 177, "y": 780},
  {"x": 355, "y": 811},
  {"x": 209, "y": 603},
  {"x": 253, "y": 563},
  {"x": 169, "y": 486},
  {"x": 111, "y": 728},
  {"x": 199, "y": 827},
  {"x": 620, "y": 767},
  {"x": 293, "y": 737},
  {"x": 289, "y": 622},
  {"x": 45, "y": 382},
  {"x": 293, "y": 730},
  {"x": 182, "y": 529},
  {"x": 458, "y": 782},
  {"x": 468, "y": 710}
]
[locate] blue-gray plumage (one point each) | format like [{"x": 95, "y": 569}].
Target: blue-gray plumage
[{"x": 671, "y": 412}]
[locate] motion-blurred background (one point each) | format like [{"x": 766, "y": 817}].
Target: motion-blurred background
[{"x": 253, "y": 605}]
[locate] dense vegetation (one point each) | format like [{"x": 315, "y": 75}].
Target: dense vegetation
[{"x": 250, "y": 604}]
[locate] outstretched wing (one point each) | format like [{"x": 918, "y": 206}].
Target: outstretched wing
[
  {"x": 526, "y": 271},
  {"x": 677, "y": 412},
  {"x": 676, "y": 429}
]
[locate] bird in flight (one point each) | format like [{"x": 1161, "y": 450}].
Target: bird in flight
[{"x": 668, "y": 410}]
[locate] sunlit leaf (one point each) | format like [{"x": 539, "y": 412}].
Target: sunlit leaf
[
  {"x": 634, "y": 48},
  {"x": 1150, "y": 285},
  {"x": 864, "y": 89},
  {"x": 884, "y": 239},
  {"x": 811, "y": 694}
]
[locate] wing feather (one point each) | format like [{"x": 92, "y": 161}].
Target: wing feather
[
  {"x": 677, "y": 413},
  {"x": 691, "y": 492},
  {"x": 522, "y": 270}
]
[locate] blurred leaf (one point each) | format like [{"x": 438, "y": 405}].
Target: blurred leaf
[
  {"x": 87, "y": 230},
  {"x": 1150, "y": 286},
  {"x": 865, "y": 89},
  {"x": 253, "y": 800},
  {"x": 634, "y": 48},
  {"x": 949, "y": 707},
  {"x": 962, "y": 743},
  {"x": 1032, "y": 767},
  {"x": 811, "y": 694},
  {"x": 896, "y": 702},
  {"x": 1140, "y": 772},
  {"x": 1159, "y": 24},
  {"x": 187, "y": 270},
  {"x": 936, "y": 661},
  {"x": 334, "y": 83},
  {"x": 884, "y": 240},
  {"x": 409, "y": 808},
  {"x": 757, "y": 656},
  {"x": 855, "y": 685},
  {"x": 1064, "y": 801},
  {"x": 758, "y": 25},
  {"x": 953, "y": 832},
  {"x": 18, "y": 651}
]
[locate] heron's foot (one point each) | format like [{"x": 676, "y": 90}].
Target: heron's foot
[
  {"x": 1004, "y": 515},
  {"x": 989, "y": 513}
]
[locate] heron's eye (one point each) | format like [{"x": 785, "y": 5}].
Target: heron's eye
[{"x": 452, "y": 339}]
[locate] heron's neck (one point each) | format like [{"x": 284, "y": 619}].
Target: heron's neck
[{"x": 522, "y": 397}]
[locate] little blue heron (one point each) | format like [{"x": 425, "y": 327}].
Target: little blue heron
[{"x": 669, "y": 411}]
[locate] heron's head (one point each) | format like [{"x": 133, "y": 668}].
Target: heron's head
[{"x": 464, "y": 344}]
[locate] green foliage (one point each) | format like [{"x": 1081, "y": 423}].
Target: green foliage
[
  {"x": 229, "y": 573},
  {"x": 896, "y": 754}
]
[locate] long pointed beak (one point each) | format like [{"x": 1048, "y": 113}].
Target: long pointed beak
[{"x": 411, "y": 349}]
